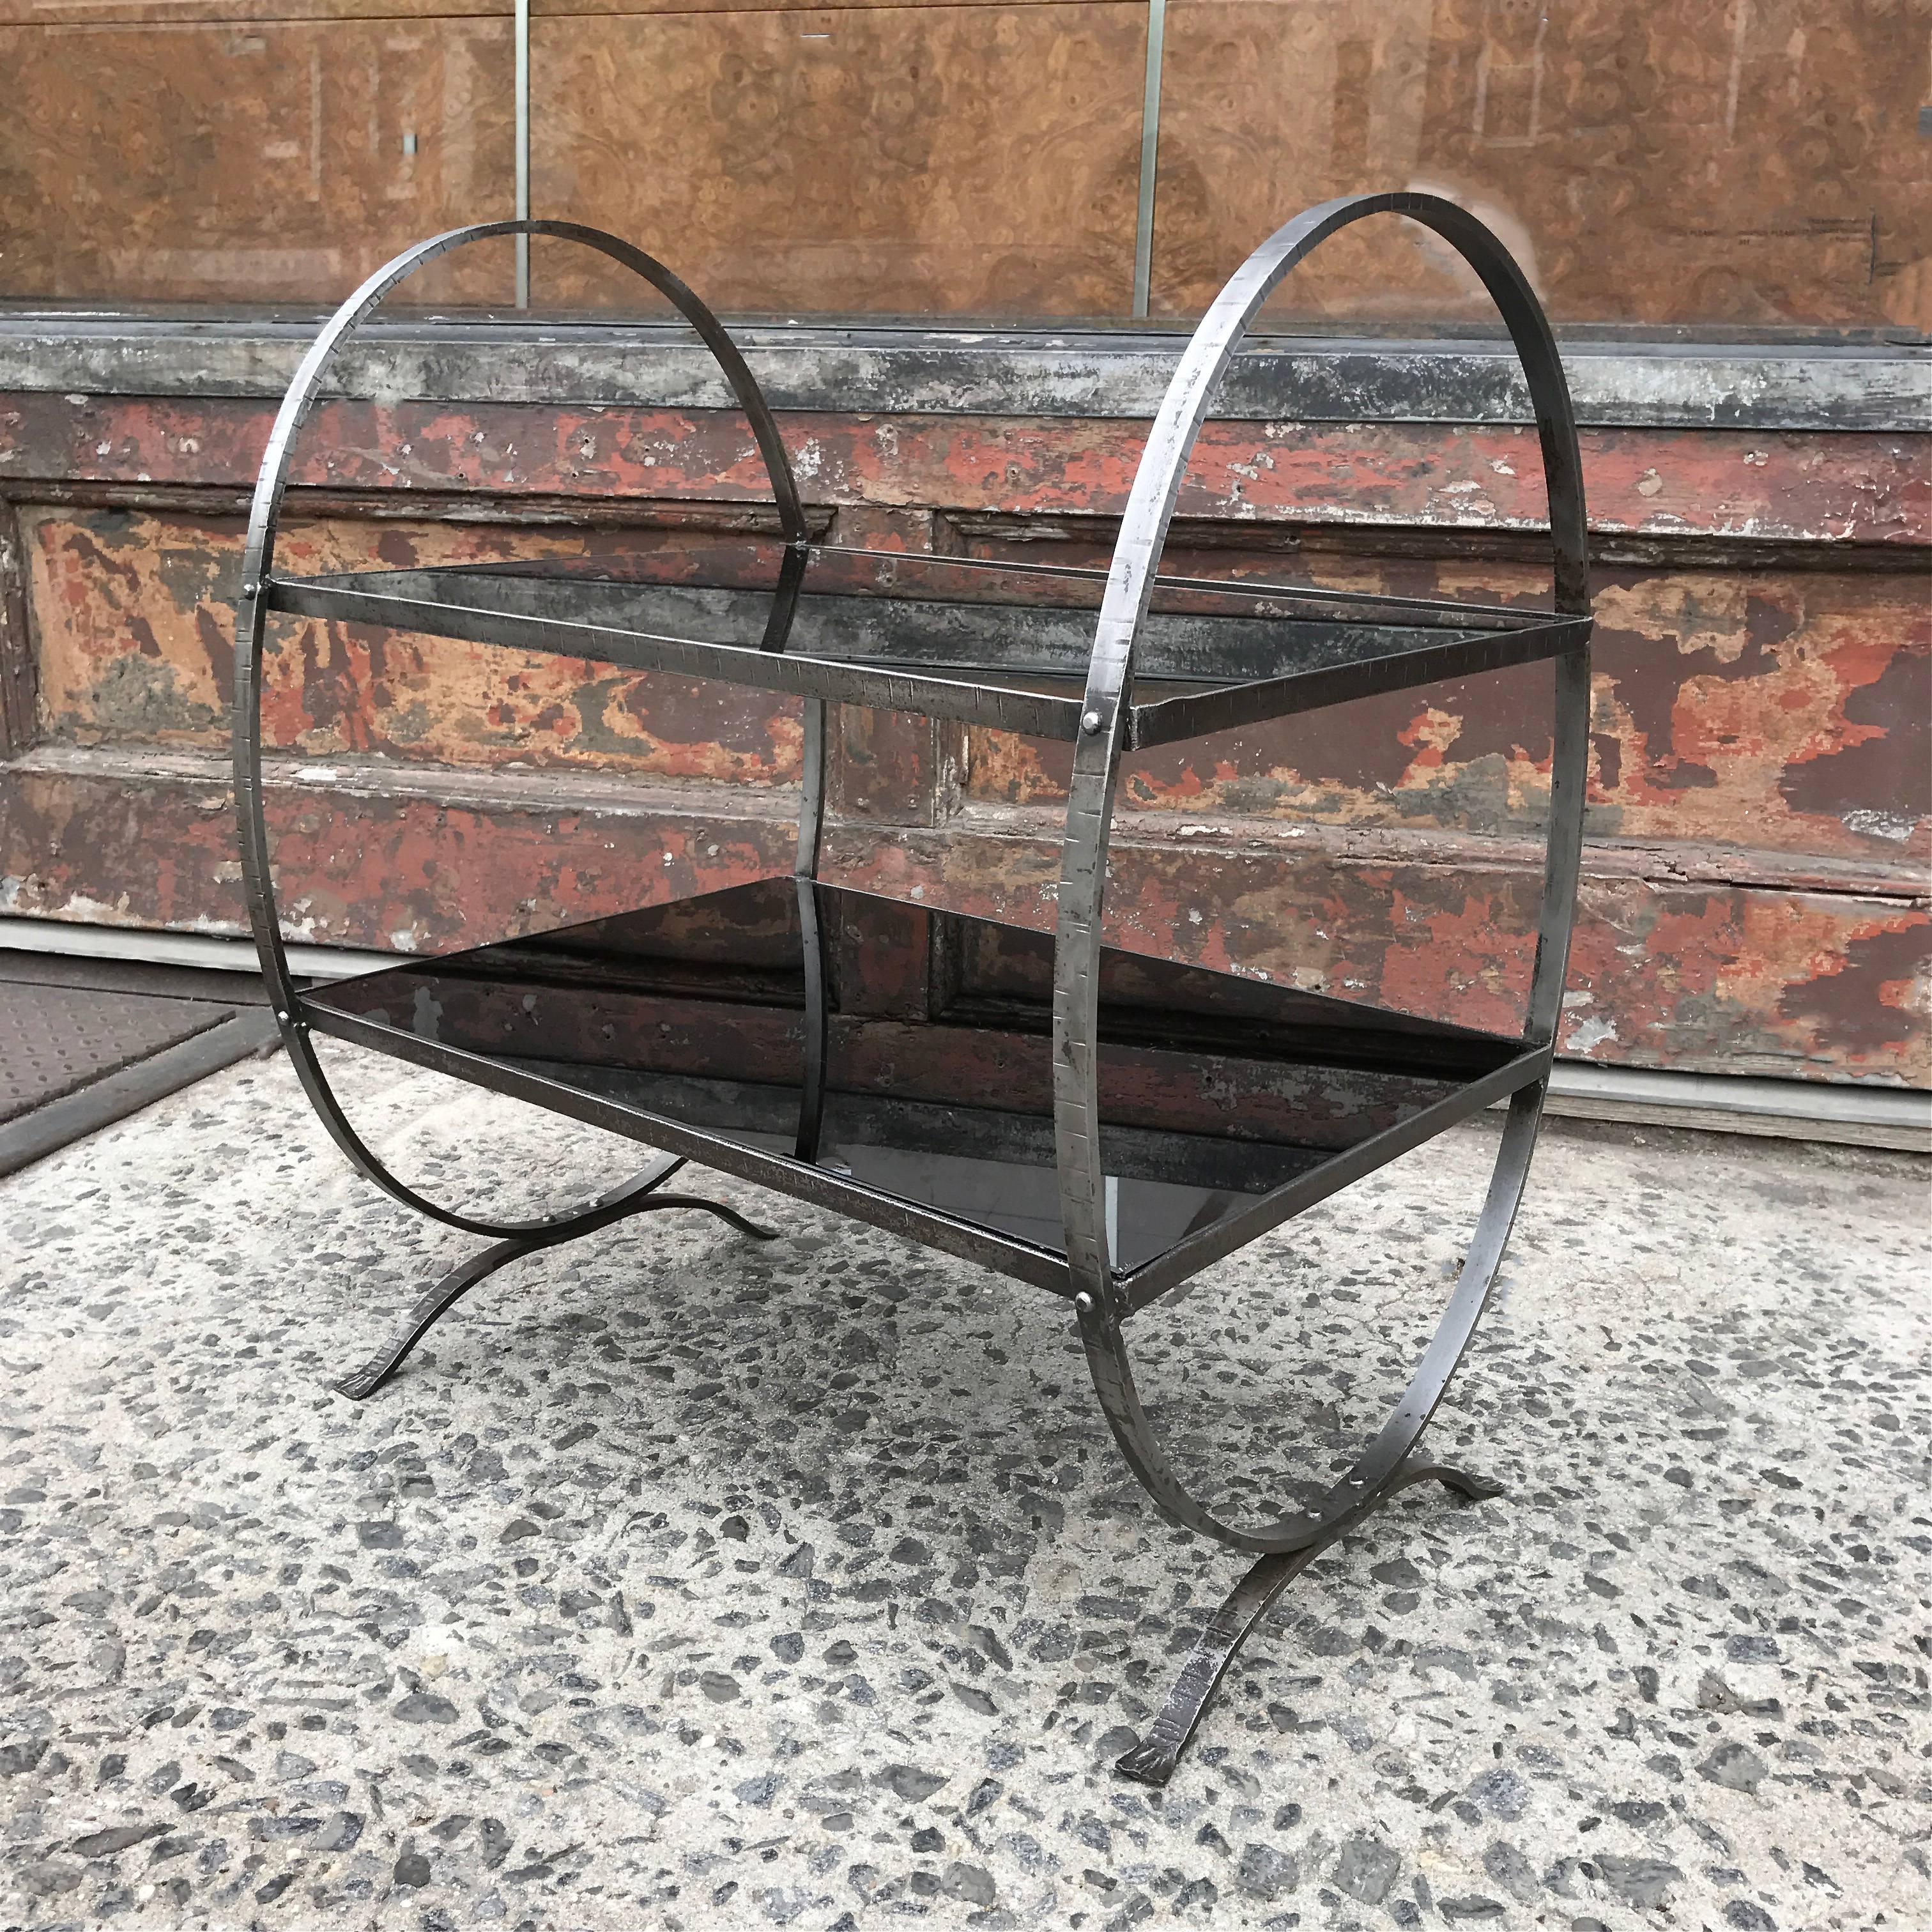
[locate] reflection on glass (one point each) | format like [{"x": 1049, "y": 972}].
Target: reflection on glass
[{"x": 1213, "y": 1090}]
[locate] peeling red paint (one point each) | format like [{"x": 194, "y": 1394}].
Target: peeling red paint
[
  {"x": 1755, "y": 891},
  {"x": 1863, "y": 488}
]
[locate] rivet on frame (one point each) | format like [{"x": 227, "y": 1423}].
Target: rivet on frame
[{"x": 1091, "y": 722}]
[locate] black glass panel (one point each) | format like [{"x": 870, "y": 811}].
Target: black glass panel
[
  {"x": 933, "y": 612},
  {"x": 709, "y": 1012}
]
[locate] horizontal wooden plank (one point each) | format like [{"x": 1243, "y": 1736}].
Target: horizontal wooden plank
[
  {"x": 1617, "y": 379},
  {"x": 414, "y": 859},
  {"x": 1710, "y": 976},
  {"x": 1810, "y": 488},
  {"x": 1784, "y": 712}
]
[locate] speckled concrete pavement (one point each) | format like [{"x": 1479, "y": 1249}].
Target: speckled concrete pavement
[{"x": 679, "y": 1581}]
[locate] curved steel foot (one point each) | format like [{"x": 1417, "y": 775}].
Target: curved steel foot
[
  {"x": 1153, "y": 1760},
  {"x": 638, "y": 1197}
]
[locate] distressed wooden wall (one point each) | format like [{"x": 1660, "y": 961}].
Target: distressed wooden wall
[{"x": 1754, "y": 898}]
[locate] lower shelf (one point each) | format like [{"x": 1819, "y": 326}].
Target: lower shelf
[{"x": 708, "y": 1027}]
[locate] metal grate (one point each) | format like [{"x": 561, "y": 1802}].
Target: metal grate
[{"x": 56, "y": 1039}]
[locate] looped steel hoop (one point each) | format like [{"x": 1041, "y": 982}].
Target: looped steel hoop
[
  {"x": 250, "y": 619},
  {"x": 1379, "y": 1470}
]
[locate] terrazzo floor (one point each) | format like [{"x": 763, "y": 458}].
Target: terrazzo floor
[{"x": 682, "y": 1582}]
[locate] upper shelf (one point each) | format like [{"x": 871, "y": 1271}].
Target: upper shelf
[{"x": 994, "y": 643}]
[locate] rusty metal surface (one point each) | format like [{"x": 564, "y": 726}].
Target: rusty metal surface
[{"x": 56, "y": 1039}]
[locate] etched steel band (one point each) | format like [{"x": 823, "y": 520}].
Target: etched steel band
[
  {"x": 250, "y": 620},
  {"x": 1083, "y": 876}
]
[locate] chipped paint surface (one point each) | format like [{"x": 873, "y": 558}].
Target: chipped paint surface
[
  {"x": 1788, "y": 712},
  {"x": 1755, "y": 893},
  {"x": 1704, "y": 977},
  {"x": 137, "y": 646},
  {"x": 359, "y": 858},
  {"x": 1701, "y": 976},
  {"x": 1866, "y": 488}
]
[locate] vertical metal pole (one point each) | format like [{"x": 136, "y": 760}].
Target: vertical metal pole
[
  {"x": 1156, "y": 34},
  {"x": 522, "y": 31}
]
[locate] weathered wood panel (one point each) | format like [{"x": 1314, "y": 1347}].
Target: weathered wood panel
[
  {"x": 1703, "y": 975},
  {"x": 235, "y": 13},
  {"x": 1812, "y": 488},
  {"x": 409, "y": 860},
  {"x": 1746, "y": 908},
  {"x": 913, "y": 159},
  {"x": 137, "y": 628},
  {"x": 1699, "y": 161},
  {"x": 1788, "y": 711},
  {"x": 1782, "y": 711},
  {"x": 251, "y": 160}
]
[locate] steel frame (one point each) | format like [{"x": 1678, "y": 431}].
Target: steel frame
[
  {"x": 1104, "y": 723},
  {"x": 1385, "y": 1466}
]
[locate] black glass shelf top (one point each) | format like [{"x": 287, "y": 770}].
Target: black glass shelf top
[
  {"x": 990, "y": 643},
  {"x": 716, "y": 1026}
]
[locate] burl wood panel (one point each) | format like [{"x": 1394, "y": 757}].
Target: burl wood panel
[
  {"x": 253, "y": 161},
  {"x": 234, "y": 13},
  {"x": 135, "y": 619},
  {"x": 935, "y": 159},
  {"x": 564, "y": 9},
  {"x": 1784, "y": 711},
  {"x": 1714, "y": 161}
]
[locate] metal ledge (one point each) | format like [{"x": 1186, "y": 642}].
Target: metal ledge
[
  {"x": 1870, "y": 1116},
  {"x": 1079, "y": 371}
]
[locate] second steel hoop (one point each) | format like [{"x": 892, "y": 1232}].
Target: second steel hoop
[
  {"x": 1083, "y": 863},
  {"x": 250, "y": 620}
]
